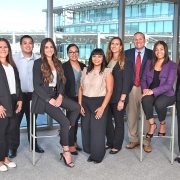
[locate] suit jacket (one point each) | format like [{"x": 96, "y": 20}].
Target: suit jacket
[
  {"x": 5, "y": 95},
  {"x": 122, "y": 81},
  {"x": 70, "y": 79},
  {"x": 41, "y": 90},
  {"x": 178, "y": 89},
  {"x": 130, "y": 54},
  {"x": 167, "y": 78}
]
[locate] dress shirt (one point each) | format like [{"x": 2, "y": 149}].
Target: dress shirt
[
  {"x": 142, "y": 54},
  {"x": 25, "y": 66}
]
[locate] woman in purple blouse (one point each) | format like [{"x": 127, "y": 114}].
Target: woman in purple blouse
[{"x": 157, "y": 87}]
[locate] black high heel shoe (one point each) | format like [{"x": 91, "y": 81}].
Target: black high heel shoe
[
  {"x": 159, "y": 133},
  {"x": 151, "y": 135},
  {"x": 65, "y": 162}
]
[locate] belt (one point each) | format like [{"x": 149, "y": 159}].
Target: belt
[
  {"x": 27, "y": 93},
  {"x": 53, "y": 88}
]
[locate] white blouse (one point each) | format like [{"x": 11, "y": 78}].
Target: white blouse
[
  {"x": 10, "y": 78},
  {"x": 54, "y": 82}
]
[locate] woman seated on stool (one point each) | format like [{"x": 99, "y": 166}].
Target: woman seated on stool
[
  {"x": 157, "y": 87},
  {"x": 10, "y": 101},
  {"x": 178, "y": 110},
  {"x": 48, "y": 95},
  {"x": 94, "y": 94}
]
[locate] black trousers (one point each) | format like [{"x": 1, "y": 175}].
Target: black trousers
[
  {"x": 6, "y": 126},
  {"x": 15, "y": 140},
  {"x": 160, "y": 103},
  {"x": 57, "y": 114},
  {"x": 93, "y": 130},
  {"x": 73, "y": 130},
  {"x": 115, "y": 135},
  {"x": 178, "y": 121}
]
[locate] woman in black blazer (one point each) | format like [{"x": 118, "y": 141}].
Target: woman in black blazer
[
  {"x": 122, "y": 73},
  {"x": 10, "y": 101},
  {"x": 178, "y": 110},
  {"x": 48, "y": 95},
  {"x": 72, "y": 71}
]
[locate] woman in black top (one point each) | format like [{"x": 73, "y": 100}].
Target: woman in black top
[
  {"x": 10, "y": 101},
  {"x": 72, "y": 71},
  {"x": 48, "y": 95},
  {"x": 122, "y": 73}
]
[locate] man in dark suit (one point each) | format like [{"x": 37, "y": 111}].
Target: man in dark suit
[
  {"x": 24, "y": 61},
  {"x": 139, "y": 56}
]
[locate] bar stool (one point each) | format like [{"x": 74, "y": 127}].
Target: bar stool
[
  {"x": 33, "y": 135},
  {"x": 171, "y": 137}
]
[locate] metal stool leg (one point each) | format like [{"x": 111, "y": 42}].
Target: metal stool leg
[
  {"x": 141, "y": 135},
  {"x": 30, "y": 128},
  {"x": 172, "y": 134},
  {"x": 34, "y": 137}
]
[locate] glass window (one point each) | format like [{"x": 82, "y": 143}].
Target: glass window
[
  {"x": 135, "y": 11},
  {"x": 134, "y": 27},
  {"x": 168, "y": 26},
  {"x": 100, "y": 28},
  {"x": 115, "y": 13},
  {"x": 142, "y": 27},
  {"x": 127, "y": 27},
  {"x": 149, "y": 10},
  {"x": 113, "y": 28},
  {"x": 88, "y": 28},
  {"x": 106, "y": 28},
  {"x": 72, "y": 29},
  {"x": 150, "y": 27},
  {"x": 164, "y": 9},
  {"x": 126, "y": 46},
  {"x": 157, "y": 9},
  {"x": 159, "y": 27},
  {"x": 171, "y": 9},
  {"x": 128, "y": 12},
  {"x": 94, "y": 29},
  {"x": 82, "y": 29}
]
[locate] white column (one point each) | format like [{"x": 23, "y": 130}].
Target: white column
[
  {"x": 98, "y": 40},
  {"x": 49, "y": 19}
]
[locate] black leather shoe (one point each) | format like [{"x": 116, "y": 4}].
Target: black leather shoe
[
  {"x": 38, "y": 149},
  {"x": 97, "y": 161},
  {"x": 177, "y": 159},
  {"x": 113, "y": 152},
  {"x": 74, "y": 152},
  {"x": 89, "y": 159},
  {"x": 79, "y": 149},
  {"x": 12, "y": 153}
]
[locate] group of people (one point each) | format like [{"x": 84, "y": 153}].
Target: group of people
[{"x": 110, "y": 84}]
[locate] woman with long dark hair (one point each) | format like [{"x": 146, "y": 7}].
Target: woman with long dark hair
[
  {"x": 94, "y": 94},
  {"x": 72, "y": 71},
  {"x": 157, "y": 87},
  {"x": 122, "y": 72},
  {"x": 178, "y": 110},
  {"x": 10, "y": 101},
  {"x": 48, "y": 95}
]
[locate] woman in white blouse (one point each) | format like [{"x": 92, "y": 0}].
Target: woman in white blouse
[
  {"x": 10, "y": 101},
  {"x": 94, "y": 94}
]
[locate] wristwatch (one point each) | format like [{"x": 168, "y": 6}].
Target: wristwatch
[{"x": 122, "y": 100}]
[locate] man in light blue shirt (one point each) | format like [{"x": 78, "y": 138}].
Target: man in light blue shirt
[{"x": 24, "y": 61}]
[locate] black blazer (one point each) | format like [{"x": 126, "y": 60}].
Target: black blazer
[
  {"x": 70, "y": 79},
  {"x": 178, "y": 89},
  {"x": 130, "y": 54},
  {"x": 5, "y": 95},
  {"x": 122, "y": 81},
  {"x": 41, "y": 90}
]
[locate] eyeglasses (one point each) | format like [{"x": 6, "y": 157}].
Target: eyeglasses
[{"x": 71, "y": 52}]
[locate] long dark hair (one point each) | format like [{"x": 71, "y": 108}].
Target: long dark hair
[
  {"x": 45, "y": 68},
  {"x": 9, "y": 57},
  {"x": 154, "y": 58},
  {"x": 178, "y": 68},
  {"x": 121, "y": 57},
  {"x": 97, "y": 51}
]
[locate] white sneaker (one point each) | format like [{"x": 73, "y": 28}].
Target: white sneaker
[
  {"x": 3, "y": 168},
  {"x": 10, "y": 165}
]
